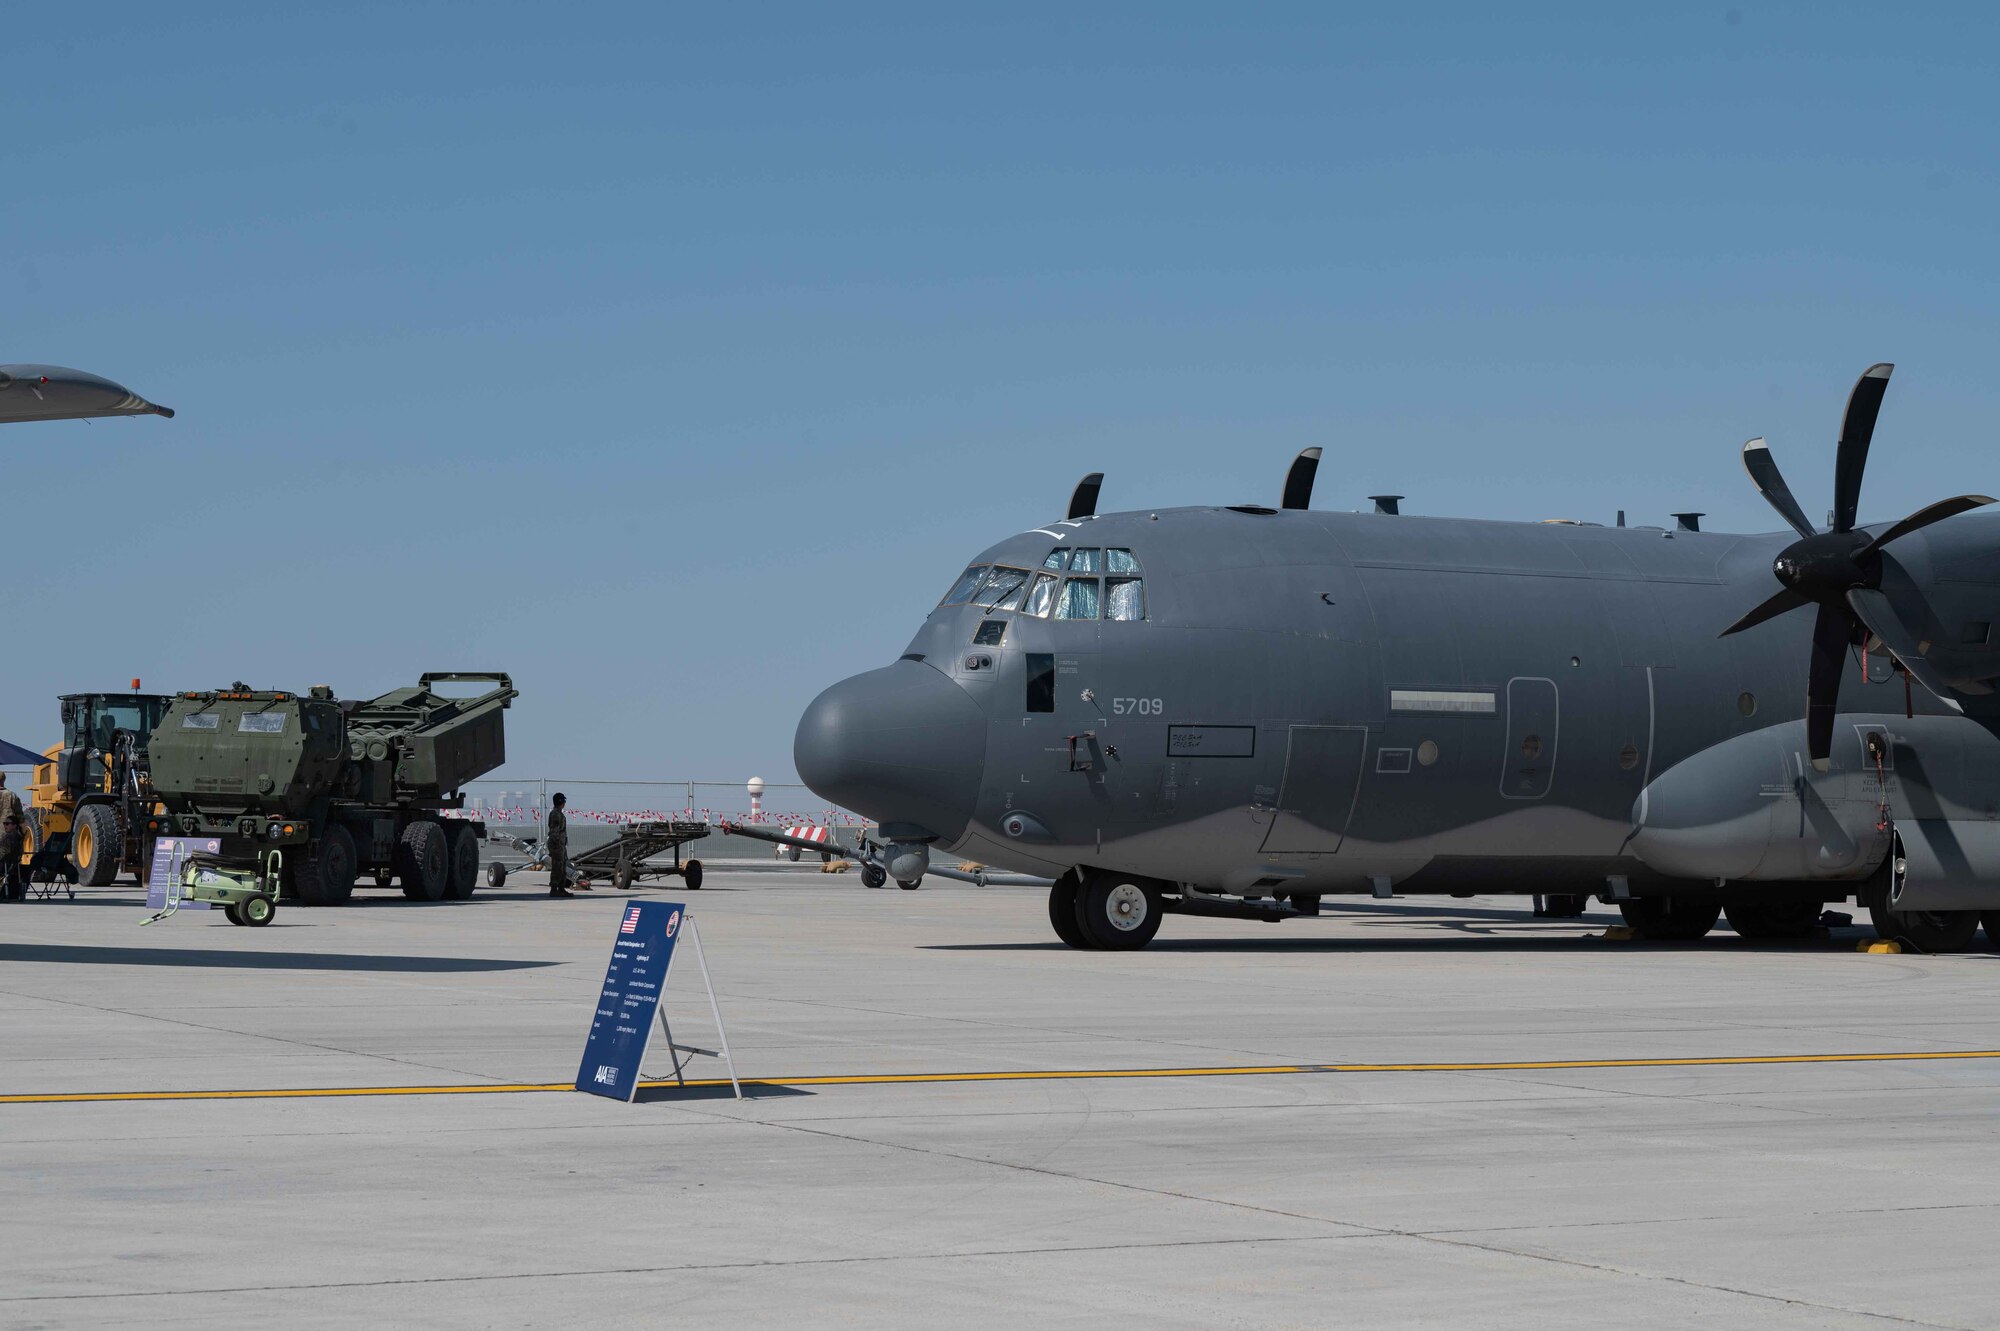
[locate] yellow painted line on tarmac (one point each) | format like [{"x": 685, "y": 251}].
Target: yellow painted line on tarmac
[{"x": 1043, "y": 1074}]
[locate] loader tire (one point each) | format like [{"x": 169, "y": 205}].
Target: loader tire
[{"x": 93, "y": 845}]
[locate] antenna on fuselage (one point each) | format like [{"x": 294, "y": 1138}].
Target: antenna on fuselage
[
  {"x": 1083, "y": 499},
  {"x": 1299, "y": 480}
]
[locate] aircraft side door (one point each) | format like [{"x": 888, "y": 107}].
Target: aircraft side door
[
  {"x": 1316, "y": 799},
  {"x": 1528, "y": 764}
]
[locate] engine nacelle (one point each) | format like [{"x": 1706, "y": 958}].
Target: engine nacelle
[
  {"x": 1946, "y": 864},
  {"x": 1753, "y": 808}
]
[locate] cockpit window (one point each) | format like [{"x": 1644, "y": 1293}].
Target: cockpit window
[
  {"x": 1058, "y": 558},
  {"x": 962, "y": 589},
  {"x": 1084, "y": 560},
  {"x": 1042, "y": 596},
  {"x": 1002, "y": 588},
  {"x": 1124, "y": 598},
  {"x": 1120, "y": 561},
  {"x": 1079, "y": 599}
]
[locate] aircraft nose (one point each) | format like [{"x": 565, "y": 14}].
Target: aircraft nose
[{"x": 901, "y": 745}]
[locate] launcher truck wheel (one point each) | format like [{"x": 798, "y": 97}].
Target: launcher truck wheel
[
  {"x": 325, "y": 875},
  {"x": 423, "y": 862},
  {"x": 464, "y": 862}
]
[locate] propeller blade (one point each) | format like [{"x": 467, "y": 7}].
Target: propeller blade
[
  {"x": 1083, "y": 499},
  {"x": 1878, "y": 612},
  {"x": 1786, "y": 599},
  {"x": 1924, "y": 517},
  {"x": 1770, "y": 483},
  {"x": 1829, "y": 661},
  {"x": 1856, "y": 429},
  {"x": 1299, "y": 480}
]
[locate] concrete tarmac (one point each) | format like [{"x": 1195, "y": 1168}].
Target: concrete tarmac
[{"x": 1753, "y": 1194}]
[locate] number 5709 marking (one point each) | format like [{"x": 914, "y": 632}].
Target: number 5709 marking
[{"x": 1138, "y": 707}]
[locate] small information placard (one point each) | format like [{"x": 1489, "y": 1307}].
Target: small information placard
[
  {"x": 169, "y": 852},
  {"x": 640, "y": 957}
]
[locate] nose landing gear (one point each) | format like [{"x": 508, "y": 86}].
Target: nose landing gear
[{"x": 1107, "y": 912}]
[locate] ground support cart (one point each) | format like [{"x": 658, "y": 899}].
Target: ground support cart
[{"x": 624, "y": 859}]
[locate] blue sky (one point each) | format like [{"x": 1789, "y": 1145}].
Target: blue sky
[{"x": 674, "y": 358}]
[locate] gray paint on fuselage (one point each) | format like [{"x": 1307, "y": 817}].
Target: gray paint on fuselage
[
  {"x": 58, "y": 393},
  {"x": 1304, "y": 618}
]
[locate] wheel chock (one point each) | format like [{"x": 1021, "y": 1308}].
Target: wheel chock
[
  {"x": 1619, "y": 933},
  {"x": 834, "y": 866},
  {"x": 1879, "y": 946}
]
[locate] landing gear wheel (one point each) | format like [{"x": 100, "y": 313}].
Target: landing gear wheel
[
  {"x": 1670, "y": 919},
  {"x": 496, "y": 874},
  {"x": 908, "y": 884},
  {"x": 257, "y": 911},
  {"x": 1991, "y": 920},
  {"x": 325, "y": 874},
  {"x": 93, "y": 845},
  {"x": 423, "y": 862},
  {"x": 464, "y": 878},
  {"x": 1927, "y": 930},
  {"x": 691, "y": 875},
  {"x": 1117, "y": 913},
  {"x": 1062, "y": 912},
  {"x": 1778, "y": 916},
  {"x": 874, "y": 875}
]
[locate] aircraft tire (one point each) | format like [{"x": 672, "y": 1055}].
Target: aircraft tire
[
  {"x": 874, "y": 875},
  {"x": 1670, "y": 919},
  {"x": 1117, "y": 913},
  {"x": 1062, "y": 913},
  {"x": 1927, "y": 930},
  {"x": 1778, "y": 916},
  {"x": 1991, "y": 921}
]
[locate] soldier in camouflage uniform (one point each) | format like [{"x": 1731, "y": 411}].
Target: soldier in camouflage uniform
[{"x": 555, "y": 846}]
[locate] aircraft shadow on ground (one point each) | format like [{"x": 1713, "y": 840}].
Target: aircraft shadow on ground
[
  {"x": 752, "y": 1090},
  {"x": 82, "y": 955},
  {"x": 1445, "y": 936}
]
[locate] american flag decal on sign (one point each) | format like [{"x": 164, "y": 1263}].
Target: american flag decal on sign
[{"x": 631, "y": 923}]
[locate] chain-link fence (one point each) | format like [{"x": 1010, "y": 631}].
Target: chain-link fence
[{"x": 505, "y": 801}]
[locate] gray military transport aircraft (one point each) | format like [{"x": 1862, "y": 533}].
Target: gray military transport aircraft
[
  {"x": 54, "y": 393},
  {"x": 1237, "y": 711}
]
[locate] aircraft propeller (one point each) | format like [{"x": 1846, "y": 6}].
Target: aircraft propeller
[{"x": 1840, "y": 570}]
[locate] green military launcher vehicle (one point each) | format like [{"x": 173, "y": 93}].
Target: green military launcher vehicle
[{"x": 338, "y": 788}]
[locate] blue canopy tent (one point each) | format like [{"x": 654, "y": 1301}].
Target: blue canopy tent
[{"x": 13, "y": 755}]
